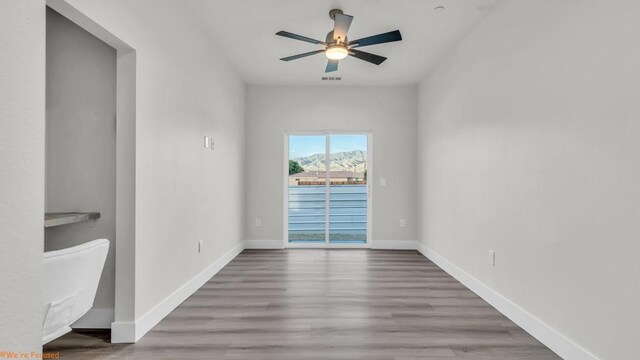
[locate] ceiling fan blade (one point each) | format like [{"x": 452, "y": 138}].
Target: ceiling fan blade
[
  {"x": 299, "y": 37},
  {"x": 293, "y": 57},
  {"x": 342, "y": 24},
  {"x": 332, "y": 65},
  {"x": 377, "y": 39},
  {"x": 372, "y": 58}
]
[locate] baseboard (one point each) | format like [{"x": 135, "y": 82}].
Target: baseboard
[
  {"x": 394, "y": 244},
  {"x": 375, "y": 244},
  {"x": 95, "y": 319},
  {"x": 554, "y": 340},
  {"x": 130, "y": 332},
  {"x": 263, "y": 244}
]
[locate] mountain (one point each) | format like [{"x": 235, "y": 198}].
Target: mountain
[{"x": 342, "y": 161}]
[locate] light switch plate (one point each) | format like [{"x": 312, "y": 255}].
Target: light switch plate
[
  {"x": 403, "y": 223},
  {"x": 206, "y": 141},
  {"x": 383, "y": 182},
  {"x": 492, "y": 258}
]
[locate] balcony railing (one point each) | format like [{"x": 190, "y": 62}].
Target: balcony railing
[{"x": 347, "y": 214}]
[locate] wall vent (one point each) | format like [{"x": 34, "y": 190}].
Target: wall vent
[{"x": 331, "y": 78}]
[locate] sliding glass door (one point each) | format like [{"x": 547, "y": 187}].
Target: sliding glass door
[
  {"x": 307, "y": 189},
  {"x": 348, "y": 189},
  {"x": 327, "y": 190}
]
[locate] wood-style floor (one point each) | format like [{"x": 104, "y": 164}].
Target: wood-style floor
[{"x": 323, "y": 304}]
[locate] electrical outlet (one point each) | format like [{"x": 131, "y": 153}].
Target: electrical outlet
[
  {"x": 402, "y": 223},
  {"x": 258, "y": 222},
  {"x": 199, "y": 246},
  {"x": 492, "y": 258},
  {"x": 212, "y": 143}
]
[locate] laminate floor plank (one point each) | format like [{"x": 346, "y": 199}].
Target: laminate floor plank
[{"x": 308, "y": 304}]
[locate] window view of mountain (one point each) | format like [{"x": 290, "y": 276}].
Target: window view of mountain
[{"x": 341, "y": 161}]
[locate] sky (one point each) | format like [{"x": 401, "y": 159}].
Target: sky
[{"x": 305, "y": 145}]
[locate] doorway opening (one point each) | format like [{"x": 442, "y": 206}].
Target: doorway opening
[
  {"x": 121, "y": 318},
  {"x": 328, "y": 197}
]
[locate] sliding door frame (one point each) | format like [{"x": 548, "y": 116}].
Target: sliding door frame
[{"x": 285, "y": 188}]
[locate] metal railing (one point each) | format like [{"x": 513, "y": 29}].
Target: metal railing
[{"x": 347, "y": 213}]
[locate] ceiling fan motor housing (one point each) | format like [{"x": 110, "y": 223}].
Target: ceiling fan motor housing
[{"x": 329, "y": 39}]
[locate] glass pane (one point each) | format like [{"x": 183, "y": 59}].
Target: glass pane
[
  {"x": 348, "y": 189},
  {"x": 307, "y": 189}
]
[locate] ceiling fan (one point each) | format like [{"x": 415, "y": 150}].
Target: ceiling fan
[{"x": 338, "y": 47}]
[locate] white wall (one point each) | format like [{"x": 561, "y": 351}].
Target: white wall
[
  {"x": 389, "y": 112},
  {"x": 528, "y": 145},
  {"x": 184, "y": 192},
  {"x": 22, "y": 89},
  {"x": 81, "y": 143}
]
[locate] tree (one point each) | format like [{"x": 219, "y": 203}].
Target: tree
[
  {"x": 365, "y": 174},
  {"x": 294, "y": 167}
]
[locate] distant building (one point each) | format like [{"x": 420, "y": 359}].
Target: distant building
[{"x": 319, "y": 177}]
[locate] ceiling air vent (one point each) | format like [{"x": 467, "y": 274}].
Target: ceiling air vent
[{"x": 331, "y": 78}]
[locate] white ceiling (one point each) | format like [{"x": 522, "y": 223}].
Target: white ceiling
[{"x": 245, "y": 30}]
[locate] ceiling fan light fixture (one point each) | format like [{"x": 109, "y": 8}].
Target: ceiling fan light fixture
[
  {"x": 337, "y": 46},
  {"x": 336, "y": 52}
]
